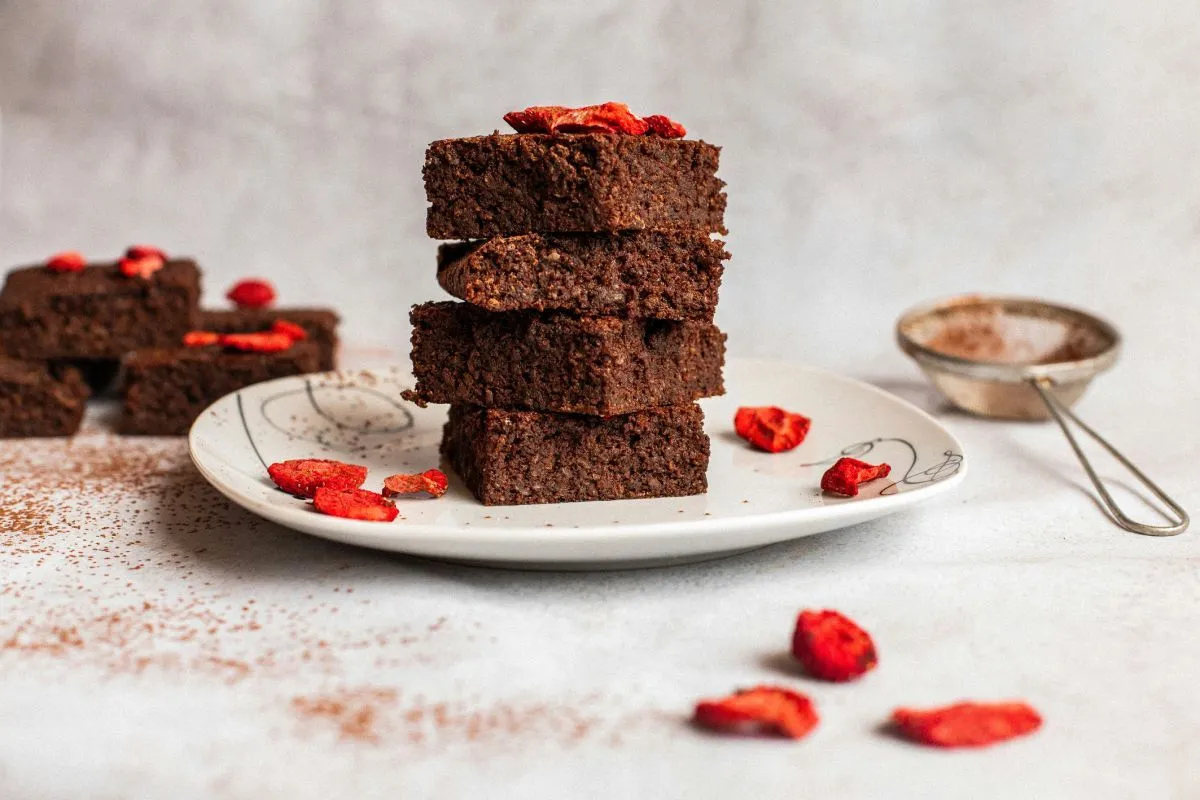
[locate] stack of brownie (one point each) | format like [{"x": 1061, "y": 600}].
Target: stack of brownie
[
  {"x": 67, "y": 327},
  {"x": 590, "y": 275}
]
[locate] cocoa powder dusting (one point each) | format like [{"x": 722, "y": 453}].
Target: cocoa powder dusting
[
  {"x": 990, "y": 333},
  {"x": 353, "y": 712},
  {"x": 122, "y": 563},
  {"x": 974, "y": 342},
  {"x": 376, "y": 715},
  {"x": 81, "y": 520}
]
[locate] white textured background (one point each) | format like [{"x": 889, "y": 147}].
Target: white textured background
[{"x": 877, "y": 154}]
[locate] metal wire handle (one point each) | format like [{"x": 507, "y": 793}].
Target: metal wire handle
[{"x": 1061, "y": 414}]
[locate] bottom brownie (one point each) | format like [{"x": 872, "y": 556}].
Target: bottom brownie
[
  {"x": 520, "y": 457},
  {"x": 40, "y": 400},
  {"x": 165, "y": 390}
]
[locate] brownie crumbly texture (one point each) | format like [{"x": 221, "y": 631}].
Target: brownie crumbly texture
[
  {"x": 552, "y": 361},
  {"x": 501, "y": 185},
  {"x": 517, "y": 457},
  {"x": 658, "y": 274},
  {"x": 165, "y": 390},
  {"x": 96, "y": 313},
  {"x": 40, "y": 400},
  {"x": 319, "y": 323}
]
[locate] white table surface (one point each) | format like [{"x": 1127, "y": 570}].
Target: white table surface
[
  {"x": 160, "y": 642},
  {"x": 877, "y": 155}
]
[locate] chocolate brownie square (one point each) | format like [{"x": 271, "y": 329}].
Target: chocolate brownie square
[
  {"x": 37, "y": 399},
  {"x": 659, "y": 274},
  {"x": 517, "y": 457},
  {"x": 96, "y": 313},
  {"x": 166, "y": 389},
  {"x": 501, "y": 185},
  {"x": 552, "y": 361},
  {"x": 320, "y": 324}
]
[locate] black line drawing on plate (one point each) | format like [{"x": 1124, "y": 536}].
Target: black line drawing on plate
[
  {"x": 302, "y": 430},
  {"x": 951, "y": 463},
  {"x": 246, "y": 428}
]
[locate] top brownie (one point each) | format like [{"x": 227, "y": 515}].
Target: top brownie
[
  {"x": 96, "y": 312},
  {"x": 509, "y": 184}
]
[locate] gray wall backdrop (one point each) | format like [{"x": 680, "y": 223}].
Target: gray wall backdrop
[{"x": 877, "y": 153}]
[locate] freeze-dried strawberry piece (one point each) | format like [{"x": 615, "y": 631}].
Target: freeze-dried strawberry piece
[
  {"x": 141, "y": 266},
  {"x": 771, "y": 428},
  {"x": 136, "y": 251},
  {"x": 252, "y": 293},
  {"x": 832, "y": 647},
  {"x": 665, "y": 127},
  {"x": 845, "y": 476},
  {"x": 66, "y": 261},
  {"x": 967, "y": 724},
  {"x": 433, "y": 481},
  {"x": 535, "y": 119},
  {"x": 289, "y": 329},
  {"x": 303, "y": 476},
  {"x": 603, "y": 118},
  {"x": 201, "y": 339},
  {"x": 522, "y": 122},
  {"x": 267, "y": 342},
  {"x": 763, "y": 709},
  {"x": 355, "y": 504}
]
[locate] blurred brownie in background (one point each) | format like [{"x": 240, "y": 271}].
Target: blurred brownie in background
[
  {"x": 166, "y": 389},
  {"x": 37, "y": 399},
  {"x": 319, "y": 323},
  {"x": 96, "y": 312}
]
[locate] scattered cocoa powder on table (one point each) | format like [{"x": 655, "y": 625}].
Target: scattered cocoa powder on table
[
  {"x": 376, "y": 714},
  {"x": 354, "y": 711},
  {"x": 109, "y": 546}
]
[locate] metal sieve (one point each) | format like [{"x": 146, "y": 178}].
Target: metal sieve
[{"x": 1022, "y": 359}]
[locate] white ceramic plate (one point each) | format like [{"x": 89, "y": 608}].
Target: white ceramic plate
[{"x": 754, "y": 498}]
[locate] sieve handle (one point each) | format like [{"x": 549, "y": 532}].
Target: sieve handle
[{"x": 1061, "y": 414}]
